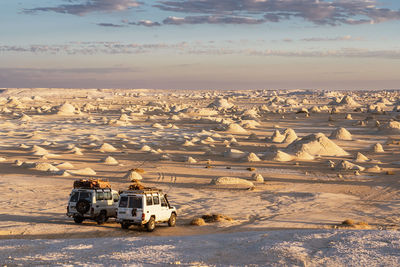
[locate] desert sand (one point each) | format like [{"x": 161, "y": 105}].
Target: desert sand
[{"x": 287, "y": 166}]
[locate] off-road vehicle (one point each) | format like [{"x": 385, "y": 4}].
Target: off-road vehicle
[
  {"x": 92, "y": 199},
  {"x": 145, "y": 208}
]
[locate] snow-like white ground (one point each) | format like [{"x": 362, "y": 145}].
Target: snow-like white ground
[{"x": 265, "y": 248}]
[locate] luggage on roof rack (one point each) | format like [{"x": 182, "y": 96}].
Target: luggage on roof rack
[{"x": 92, "y": 183}]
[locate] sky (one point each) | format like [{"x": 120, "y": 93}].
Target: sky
[{"x": 200, "y": 44}]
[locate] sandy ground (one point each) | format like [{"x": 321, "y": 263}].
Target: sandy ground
[{"x": 294, "y": 195}]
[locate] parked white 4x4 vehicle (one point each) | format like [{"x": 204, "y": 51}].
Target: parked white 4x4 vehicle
[
  {"x": 145, "y": 207},
  {"x": 92, "y": 202}
]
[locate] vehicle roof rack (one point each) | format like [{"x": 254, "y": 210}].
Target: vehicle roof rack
[
  {"x": 92, "y": 183},
  {"x": 144, "y": 191}
]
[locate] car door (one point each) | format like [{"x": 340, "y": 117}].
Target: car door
[{"x": 164, "y": 209}]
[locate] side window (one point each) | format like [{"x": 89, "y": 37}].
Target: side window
[
  {"x": 163, "y": 202},
  {"x": 99, "y": 196},
  {"x": 156, "y": 200},
  {"x": 107, "y": 196},
  {"x": 123, "y": 203},
  {"x": 149, "y": 201},
  {"x": 74, "y": 197}
]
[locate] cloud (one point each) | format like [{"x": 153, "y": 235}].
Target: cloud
[
  {"x": 147, "y": 23},
  {"x": 195, "y": 47},
  {"x": 83, "y": 7},
  {"x": 110, "y": 25},
  {"x": 316, "y": 11},
  {"x": 339, "y": 38},
  {"x": 212, "y": 20}
]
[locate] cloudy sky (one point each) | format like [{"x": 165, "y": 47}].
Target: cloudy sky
[{"x": 195, "y": 44}]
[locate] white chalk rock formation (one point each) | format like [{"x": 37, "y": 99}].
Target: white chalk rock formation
[
  {"x": 359, "y": 158},
  {"x": 109, "y": 160},
  {"x": 316, "y": 144},
  {"x": 282, "y": 156},
  {"x": 234, "y": 154},
  {"x": 303, "y": 155},
  {"x": 346, "y": 165},
  {"x": 66, "y": 109},
  {"x": 220, "y": 103},
  {"x": 235, "y": 128},
  {"x": 391, "y": 127},
  {"x": 252, "y": 158},
  {"x": 277, "y": 137},
  {"x": 378, "y": 148},
  {"x": 341, "y": 134},
  {"x": 132, "y": 175},
  {"x": 105, "y": 147},
  {"x": 191, "y": 160},
  {"x": 257, "y": 177}
]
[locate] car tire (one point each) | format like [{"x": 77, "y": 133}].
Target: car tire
[
  {"x": 151, "y": 225},
  {"x": 172, "y": 220},
  {"x": 125, "y": 225},
  {"x": 78, "y": 219},
  {"x": 83, "y": 206},
  {"x": 101, "y": 218}
]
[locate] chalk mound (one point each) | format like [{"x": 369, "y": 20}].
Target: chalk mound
[
  {"x": 348, "y": 101},
  {"x": 235, "y": 128},
  {"x": 341, "y": 134},
  {"x": 378, "y": 148},
  {"x": 65, "y": 166},
  {"x": 290, "y": 136},
  {"x": 231, "y": 181},
  {"x": 132, "y": 175},
  {"x": 105, "y": 147},
  {"x": 39, "y": 151},
  {"x": 76, "y": 150},
  {"x": 258, "y": 178},
  {"x": 85, "y": 171},
  {"x": 252, "y": 158},
  {"x": 391, "y": 127},
  {"x": 346, "y": 165},
  {"x": 188, "y": 143},
  {"x": 375, "y": 169},
  {"x": 277, "y": 137},
  {"x": 46, "y": 167},
  {"x": 146, "y": 148},
  {"x": 234, "y": 153},
  {"x": 316, "y": 144},
  {"x": 282, "y": 156},
  {"x": 109, "y": 160},
  {"x": 220, "y": 103},
  {"x": 303, "y": 155},
  {"x": 25, "y": 118},
  {"x": 66, "y": 109},
  {"x": 191, "y": 160},
  {"x": 360, "y": 158}
]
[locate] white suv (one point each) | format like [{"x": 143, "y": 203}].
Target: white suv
[
  {"x": 97, "y": 204},
  {"x": 145, "y": 207}
]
